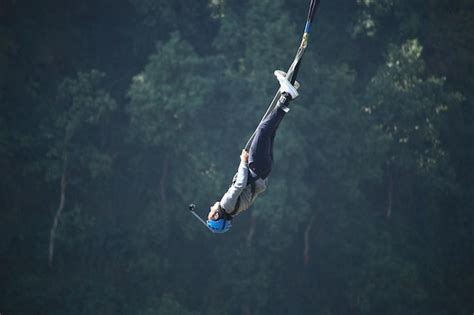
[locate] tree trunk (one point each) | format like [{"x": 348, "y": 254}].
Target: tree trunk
[
  {"x": 62, "y": 200},
  {"x": 253, "y": 223},
  {"x": 246, "y": 310},
  {"x": 389, "y": 196},
  {"x": 306, "y": 241},
  {"x": 163, "y": 179}
]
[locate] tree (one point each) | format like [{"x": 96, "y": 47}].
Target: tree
[
  {"x": 82, "y": 106},
  {"x": 168, "y": 111},
  {"x": 405, "y": 106}
]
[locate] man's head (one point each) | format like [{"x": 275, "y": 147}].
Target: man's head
[{"x": 217, "y": 222}]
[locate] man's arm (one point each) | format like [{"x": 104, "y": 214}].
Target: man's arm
[{"x": 229, "y": 199}]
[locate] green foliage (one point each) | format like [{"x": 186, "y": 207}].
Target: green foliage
[
  {"x": 82, "y": 105},
  {"x": 406, "y": 107},
  {"x": 75, "y": 228},
  {"x": 245, "y": 42},
  {"x": 165, "y": 100},
  {"x": 369, "y": 205},
  {"x": 154, "y": 12},
  {"x": 83, "y": 100},
  {"x": 167, "y": 304},
  {"x": 167, "y": 95}
]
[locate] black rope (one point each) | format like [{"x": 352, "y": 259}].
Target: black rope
[{"x": 295, "y": 66}]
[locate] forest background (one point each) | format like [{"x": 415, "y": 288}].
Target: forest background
[{"x": 115, "y": 115}]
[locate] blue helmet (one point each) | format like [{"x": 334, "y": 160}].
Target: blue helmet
[{"x": 219, "y": 226}]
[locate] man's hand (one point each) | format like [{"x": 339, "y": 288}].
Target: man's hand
[
  {"x": 214, "y": 212},
  {"x": 244, "y": 156}
]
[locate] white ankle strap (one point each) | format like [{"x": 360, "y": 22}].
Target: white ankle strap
[{"x": 285, "y": 85}]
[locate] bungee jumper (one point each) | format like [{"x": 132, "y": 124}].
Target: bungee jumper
[
  {"x": 256, "y": 159},
  {"x": 255, "y": 164}
]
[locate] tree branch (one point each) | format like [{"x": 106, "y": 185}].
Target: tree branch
[
  {"x": 306, "y": 240},
  {"x": 253, "y": 223},
  {"x": 62, "y": 200}
]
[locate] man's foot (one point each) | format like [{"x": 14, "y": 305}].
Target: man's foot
[
  {"x": 283, "y": 102},
  {"x": 285, "y": 85}
]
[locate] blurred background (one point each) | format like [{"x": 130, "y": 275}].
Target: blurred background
[{"x": 115, "y": 115}]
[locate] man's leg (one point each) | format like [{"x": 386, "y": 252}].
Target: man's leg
[{"x": 261, "y": 149}]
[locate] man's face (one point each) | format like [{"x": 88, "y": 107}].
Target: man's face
[{"x": 213, "y": 212}]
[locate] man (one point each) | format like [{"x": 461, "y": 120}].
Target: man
[{"x": 255, "y": 166}]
